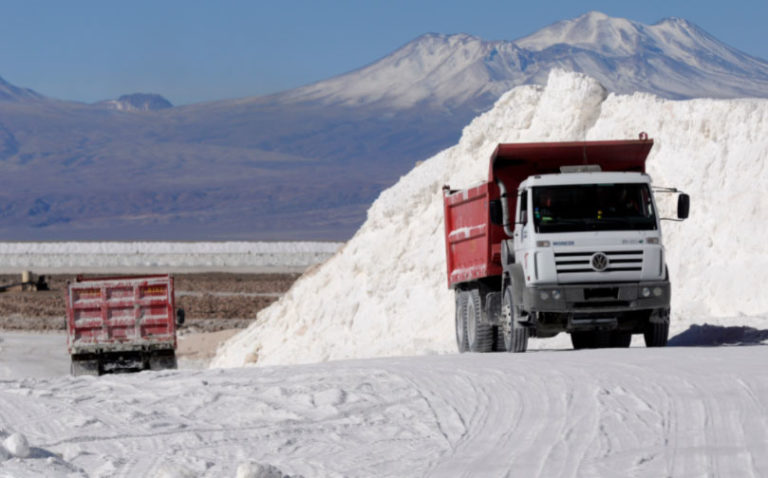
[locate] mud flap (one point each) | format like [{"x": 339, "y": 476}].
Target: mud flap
[{"x": 80, "y": 367}]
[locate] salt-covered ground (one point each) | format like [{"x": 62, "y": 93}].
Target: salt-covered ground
[
  {"x": 32, "y": 355},
  {"x": 679, "y": 411}
]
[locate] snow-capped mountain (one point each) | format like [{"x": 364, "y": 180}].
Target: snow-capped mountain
[
  {"x": 673, "y": 58},
  {"x": 138, "y": 102},
  {"x": 306, "y": 163}
]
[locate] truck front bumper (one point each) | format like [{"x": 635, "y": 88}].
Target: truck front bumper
[{"x": 597, "y": 297}]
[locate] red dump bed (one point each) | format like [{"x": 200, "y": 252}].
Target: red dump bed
[
  {"x": 111, "y": 314},
  {"x": 472, "y": 242}
]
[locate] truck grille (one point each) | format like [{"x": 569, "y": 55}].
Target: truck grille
[{"x": 580, "y": 262}]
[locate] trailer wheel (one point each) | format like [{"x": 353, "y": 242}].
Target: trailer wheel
[
  {"x": 461, "y": 326},
  {"x": 657, "y": 329},
  {"x": 479, "y": 334},
  {"x": 80, "y": 367},
  {"x": 515, "y": 334},
  {"x": 162, "y": 360}
]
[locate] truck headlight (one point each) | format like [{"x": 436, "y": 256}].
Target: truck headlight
[
  {"x": 544, "y": 295},
  {"x": 645, "y": 292},
  {"x": 657, "y": 291},
  {"x": 556, "y": 294}
]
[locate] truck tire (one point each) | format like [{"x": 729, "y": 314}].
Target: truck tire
[
  {"x": 80, "y": 367},
  {"x": 656, "y": 330},
  {"x": 163, "y": 360},
  {"x": 498, "y": 339},
  {"x": 515, "y": 334},
  {"x": 479, "y": 333},
  {"x": 656, "y": 334},
  {"x": 461, "y": 326}
]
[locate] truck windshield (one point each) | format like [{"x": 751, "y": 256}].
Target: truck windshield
[{"x": 593, "y": 207}]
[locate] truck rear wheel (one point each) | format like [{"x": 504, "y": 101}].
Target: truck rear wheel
[
  {"x": 515, "y": 334},
  {"x": 479, "y": 333},
  {"x": 498, "y": 339},
  {"x": 461, "y": 326}
]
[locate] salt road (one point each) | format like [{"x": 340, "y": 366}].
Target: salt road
[{"x": 678, "y": 411}]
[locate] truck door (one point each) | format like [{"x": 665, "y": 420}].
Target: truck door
[{"x": 521, "y": 226}]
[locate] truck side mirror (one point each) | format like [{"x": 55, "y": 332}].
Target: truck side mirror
[
  {"x": 496, "y": 213},
  {"x": 180, "y": 317},
  {"x": 683, "y": 206}
]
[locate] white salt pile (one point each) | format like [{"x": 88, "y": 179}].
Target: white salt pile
[
  {"x": 384, "y": 293},
  {"x": 17, "y": 445}
]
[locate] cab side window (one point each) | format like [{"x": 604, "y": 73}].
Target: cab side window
[{"x": 523, "y": 202}]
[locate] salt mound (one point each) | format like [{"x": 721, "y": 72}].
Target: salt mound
[
  {"x": 17, "y": 445},
  {"x": 384, "y": 293}
]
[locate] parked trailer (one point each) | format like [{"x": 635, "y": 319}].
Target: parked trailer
[
  {"x": 124, "y": 323},
  {"x": 563, "y": 237}
]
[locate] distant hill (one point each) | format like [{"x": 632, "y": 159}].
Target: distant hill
[
  {"x": 138, "y": 102},
  {"x": 10, "y": 93},
  {"x": 306, "y": 163}
]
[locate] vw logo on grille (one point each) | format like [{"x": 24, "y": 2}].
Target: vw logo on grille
[{"x": 599, "y": 261}]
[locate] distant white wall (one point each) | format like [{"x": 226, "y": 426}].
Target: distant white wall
[{"x": 73, "y": 257}]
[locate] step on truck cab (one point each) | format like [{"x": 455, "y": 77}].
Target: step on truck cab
[
  {"x": 563, "y": 237},
  {"x": 125, "y": 323}
]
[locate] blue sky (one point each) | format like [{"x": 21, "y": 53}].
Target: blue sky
[{"x": 191, "y": 51}]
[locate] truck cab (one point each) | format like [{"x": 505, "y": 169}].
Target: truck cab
[{"x": 590, "y": 249}]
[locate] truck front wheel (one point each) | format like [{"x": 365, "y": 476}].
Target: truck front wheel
[
  {"x": 657, "y": 329},
  {"x": 515, "y": 334},
  {"x": 656, "y": 335},
  {"x": 461, "y": 326}
]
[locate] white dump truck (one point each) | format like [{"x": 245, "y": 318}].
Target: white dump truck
[{"x": 563, "y": 237}]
